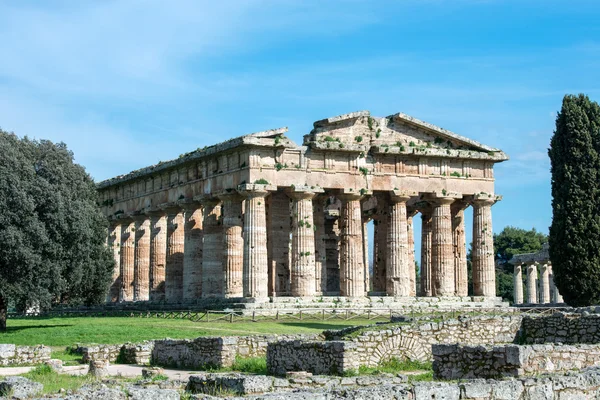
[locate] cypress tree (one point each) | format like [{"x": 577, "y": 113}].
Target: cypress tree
[{"x": 575, "y": 231}]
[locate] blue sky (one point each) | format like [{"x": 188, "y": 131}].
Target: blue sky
[{"x": 129, "y": 83}]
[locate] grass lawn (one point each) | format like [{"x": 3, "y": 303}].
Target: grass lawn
[{"x": 114, "y": 330}]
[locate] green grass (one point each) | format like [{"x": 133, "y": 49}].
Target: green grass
[
  {"x": 115, "y": 330},
  {"x": 251, "y": 365},
  {"x": 54, "y": 381},
  {"x": 395, "y": 366}
]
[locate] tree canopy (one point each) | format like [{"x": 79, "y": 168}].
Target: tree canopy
[
  {"x": 51, "y": 230},
  {"x": 575, "y": 230}
]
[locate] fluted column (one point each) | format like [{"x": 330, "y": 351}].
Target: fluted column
[
  {"x": 174, "y": 264},
  {"x": 141, "y": 272},
  {"x": 320, "y": 247},
  {"x": 255, "y": 276},
  {"x": 544, "y": 285},
  {"x": 460, "y": 248},
  {"x": 233, "y": 244},
  {"x": 426, "y": 236},
  {"x": 484, "y": 272},
  {"x": 192, "y": 251},
  {"x": 114, "y": 243},
  {"x": 303, "y": 242},
  {"x": 127, "y": 259},
  {"x": 351, "y": 249},
  {"x": 442, "y": 249},
  {"x": 411, "y": 252},
  {"x": 398, "y": 260},
  {"x": 380, "y": 243},
  {"x": 532, "y": 276},
  {"x": 518, "y": 284},
  {"x": 158, "y": 254},
  {"x": 213, "y": 272}
]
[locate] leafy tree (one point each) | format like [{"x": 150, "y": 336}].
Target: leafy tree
[
  {"x": 575, "y": 229},
  {"x": 51, "y": 230}
]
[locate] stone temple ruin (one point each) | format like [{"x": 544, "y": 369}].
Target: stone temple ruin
[{"x": 259, "y": 217}]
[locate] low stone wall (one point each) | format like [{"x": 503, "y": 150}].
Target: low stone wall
[
  {"x": 128, "y": 353},
  {"x": 11, "y": 354},
  {"x": 560, "y": 327},
  {"x": 331, "y": 357},
  {"x": 469, "y": 362},
  {"x": 205, "y": 352}
]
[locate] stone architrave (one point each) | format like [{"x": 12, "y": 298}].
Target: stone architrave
[
  {"x": 544, "y": 284},
  {"x": 518, "y": 284},
  {"x": 411, "y": 251},
  {"x": 192, "y": 251},
  {"x": 398, "y": 262},
  {"x": 233, "y": 243},
  {"x": 174, "y": 264},
  {"x": 351, "y": 247},
  {"x": 484, "y": 270},
  {"x": 114, "y": 243},
  {"x": 127, "y": 259},
  {"x": 426, "y": 236},
  {"x": 213, "y": 271},
  {"x": 141, "y": 272},
  {"x": 255, "y": 277},
  {"x": 303, "y": 269},
  {"x": 532, "y": 276},
  {"x": 460, "y": 247},
  {"x": 158, "y": 254},
  {"x": 442, "y": 248}
]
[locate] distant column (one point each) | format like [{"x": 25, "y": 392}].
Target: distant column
[
  {"x": 192, "y": 251},
  {"x": 552, "y": 285},
  {"x": 158, "y": 254},
  {"x": 442, "y": 249},
  {"x": 351, "y": 248},
  {"x": 380, "y": 243},
  {"x": 320, "y": 247},
  {"x": 426, "y": 236},
  {"x": 255, "y": 277},
  {"x": 484, "y": 270},
  {"x": 141, "y": 272},
  {"x": 411, "y": 252},
  {"x": 544, "y": 285},
  {"x": 174, "y": 264},
  {"x": 460, "y": 248},
  {"x": 518, "y": 284},
  {"x": 532, "y": 275},
  {"x": 114, "y": 243},
  {"x": 398, "y": 262},
  {"x": 233, "y": 248},
  {"x": 213, "y": 273},
  {"x": 127, "y": 259}
]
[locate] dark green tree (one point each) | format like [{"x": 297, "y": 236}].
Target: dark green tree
[
  {"x": 51, "y": 230},
  {"x": 575, "y": 230}
]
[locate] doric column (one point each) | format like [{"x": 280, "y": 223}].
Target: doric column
[
  {"x": 426, "y": 236},
  {"x": 233, "y": 243},
  {"x": 518, "y": 284},
  {"x": 484, "y": 272},
  {"x": 127, "y": 259},
  {"x": 551, "y": 283},
  {"x": 320, "y": 247},
  {"x": 279, "y": 230},
  {"x": 174, "y": 264},
  {"x": 332, "y": 244},
  {"x": 213, "y": 272},
  {"x": 303, "y": 241},
  {"x": 141, "y": 272},
  {"x": 532, "y": 275},
  {"x": 351, "y": 248},
  {"x": 398, "y": 260},
  {"x": 158, "y": 254},
  {"x": 442, "y": 249},
  {"x": 365, "y": 263},
  {"x": 411, "y": 251},
  {"x": 255, "y": 276},
  {"x": 192, "y": 251},
  {"x": 380, "y": 242},
  {"x": 544, "y": 284},
  {"x": 114, "y": 243},
  {"x": 460, "y": 248}
]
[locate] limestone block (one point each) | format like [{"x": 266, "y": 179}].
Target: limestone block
[
  {"x": 19, "y": 388},
  {"x": 152, "y": 394},
  {"x": 98, "y": 368},
  {"x": 436, "y": 390}
]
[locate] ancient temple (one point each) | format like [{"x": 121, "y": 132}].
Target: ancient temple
[{"x": 259, "y": 217}]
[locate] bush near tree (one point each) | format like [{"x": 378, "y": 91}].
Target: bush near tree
[
  {"x": 575, "y": 231},
  {"x": 52, "y": 234}
]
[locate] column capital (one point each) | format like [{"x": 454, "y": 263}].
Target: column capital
[
  {"x": 440, "y": 198},
  {"x": 229, "y": 195},
  {"x": 459, "y": 205},
  {"x": 251, "y": 190},
  {"x": 137, "y": 216},
  {"x": 170, "y": 207},
  {"x": 485, "y": 199},
  {"x": 351, "y": 194},
  {"x": 189, "y": 204},
  {"x": 303, "y": 192},
  {"x": 402, "y": 196}
]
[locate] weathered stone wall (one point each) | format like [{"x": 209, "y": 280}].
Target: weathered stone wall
[
  {"x": 469, "y": 362},
  {"x": 11, "y": 354},
  {"x": 561, "y": 327},
  {"x": 128, "y": 353}
]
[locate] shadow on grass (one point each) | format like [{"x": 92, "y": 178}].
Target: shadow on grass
[{"x": 21, "y": 328}]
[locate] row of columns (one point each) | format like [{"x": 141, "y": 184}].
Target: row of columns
[
  {"x": 540, "y": 287},
  {"x": 217, "y": 247}
]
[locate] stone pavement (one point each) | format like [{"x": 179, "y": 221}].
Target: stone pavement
[{"x": 113, "y": 369}]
